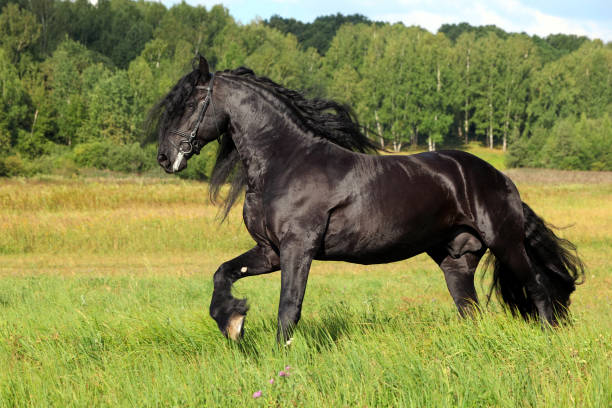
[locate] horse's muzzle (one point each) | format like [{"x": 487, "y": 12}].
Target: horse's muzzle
[{"x": 165, "y": 163}]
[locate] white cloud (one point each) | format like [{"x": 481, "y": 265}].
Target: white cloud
[
  {"x": 429, "y": 21},
  {"x": 510, "y": 15}
]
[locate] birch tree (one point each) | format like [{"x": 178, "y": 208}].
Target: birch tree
[
  {"x": 489, "y": 66},
  {"x": 520, "y": 60},
  {"x": 463, "y": 61},
  {"x": 436, "y": 98}
]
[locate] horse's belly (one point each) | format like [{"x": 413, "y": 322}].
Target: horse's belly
[
  {"x": 371, "y": 255},
  {"x": 370, "y": 240}
]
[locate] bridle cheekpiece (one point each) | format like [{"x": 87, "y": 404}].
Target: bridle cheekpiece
[{"x": 191, "y": 144}]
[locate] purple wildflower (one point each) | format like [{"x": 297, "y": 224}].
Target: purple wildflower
[
  {"x": 287, "y": 368},
  {"x": 283, "y": 374},
  {"x": 271, "y": 381},
  {"x": 257, "y": 394}
]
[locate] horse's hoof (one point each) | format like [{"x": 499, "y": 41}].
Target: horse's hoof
[{"x": 235, "y": 326}]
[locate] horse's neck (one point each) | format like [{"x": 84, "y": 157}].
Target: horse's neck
[{"x": 265, "y": 136}]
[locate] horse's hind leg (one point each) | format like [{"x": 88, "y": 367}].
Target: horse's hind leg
[{"x": 459, "y": 270}]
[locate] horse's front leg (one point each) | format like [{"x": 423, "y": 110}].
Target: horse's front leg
[
  {"x": 229, "y": 312},
  {"x": 296, "y": 258}
]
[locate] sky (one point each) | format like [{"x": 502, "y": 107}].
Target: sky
[{"x": 592, "y": 18}]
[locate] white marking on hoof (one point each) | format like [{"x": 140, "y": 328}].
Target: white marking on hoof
[
  {"x": 288, "y": 343},
  {"x": 234, "y": 326},
  {"x": 177, "y": 161},
  {"x": 244, "y": 269}
]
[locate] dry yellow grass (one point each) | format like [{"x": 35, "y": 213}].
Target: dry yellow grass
[{"x": 168, "y": 226}]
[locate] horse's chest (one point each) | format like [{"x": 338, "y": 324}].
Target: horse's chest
[{"x": 254, "y": 216}]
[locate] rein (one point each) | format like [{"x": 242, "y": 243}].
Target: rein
[{"x": 190, "y": 144}]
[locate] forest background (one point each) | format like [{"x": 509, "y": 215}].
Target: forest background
[{"x": 77, "y": 81}]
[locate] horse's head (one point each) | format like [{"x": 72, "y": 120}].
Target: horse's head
[{"x": 188, "y": 119}]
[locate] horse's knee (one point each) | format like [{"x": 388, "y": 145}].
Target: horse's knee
[{"x": 222, "y": 276}]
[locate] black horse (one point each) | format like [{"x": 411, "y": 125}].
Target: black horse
[{"x": 312, "y": 193}]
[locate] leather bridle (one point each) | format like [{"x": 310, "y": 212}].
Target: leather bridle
[{"x": 191, "y": 144}]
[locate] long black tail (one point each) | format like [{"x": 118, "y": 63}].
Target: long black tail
[{"x": 557, "y": 267}]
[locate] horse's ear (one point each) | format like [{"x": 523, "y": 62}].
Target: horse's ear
[{"x": 203, "y": 67}]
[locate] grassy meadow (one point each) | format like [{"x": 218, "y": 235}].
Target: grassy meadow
[{"x": 105, "y": 285}]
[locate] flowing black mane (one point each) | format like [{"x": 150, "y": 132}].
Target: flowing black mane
[{"x": 325, "y": 118}]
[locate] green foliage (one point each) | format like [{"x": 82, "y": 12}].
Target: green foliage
[
  {"x": 72, "y": 72},
  {"x": 575, "y": 84},
  {"x": 572, "y": 144},
  {"x": 18, "y": 165},
  {"x": 117, "y": 29},
  {"x": 19, "y": 30},
  {"x": 14, "y": 104},
  {"x": 107, "y": 155},
  {"x": 128, "y": 33},
  {"x": 191, "y": 30},
  {"x": 32, "y": 145},
  {"x": 454, "y": 31},
  {"x": 110, "y": 111},
  {"x": 11, "y": 166},
  {"x": 318, "y": 34}
]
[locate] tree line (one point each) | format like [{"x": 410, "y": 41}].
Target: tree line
[{"x": 77, "y": 81}]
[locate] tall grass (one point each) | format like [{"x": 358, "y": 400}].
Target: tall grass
[
  {"x": 149, "y": 342},
  {"x": 108, "y": 216},
  {"x": 105, "y": 286}
]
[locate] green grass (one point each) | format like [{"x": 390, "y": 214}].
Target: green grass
[
  {"x": 496, "y": 157},
  {"x": 105, "y": 285},
  {"x": 112, "y": 341}
]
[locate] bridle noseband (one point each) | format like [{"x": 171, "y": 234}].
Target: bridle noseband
[{"x": 191, "y": 144}]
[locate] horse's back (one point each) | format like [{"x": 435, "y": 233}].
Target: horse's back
[{"x": 404, "y": 205}]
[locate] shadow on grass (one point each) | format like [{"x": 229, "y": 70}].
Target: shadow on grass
[
  {"x": 321, "y": 333},
  {"x": 324, "y": 333}
]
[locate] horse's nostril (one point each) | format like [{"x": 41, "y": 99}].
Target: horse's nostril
[{"x": 162, "y": 159}]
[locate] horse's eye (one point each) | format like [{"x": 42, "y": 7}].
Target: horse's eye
[{"x": 190, "y": 105}]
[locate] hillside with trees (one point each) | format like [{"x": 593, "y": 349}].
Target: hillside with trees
[{"x": 77, "y": 81}]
